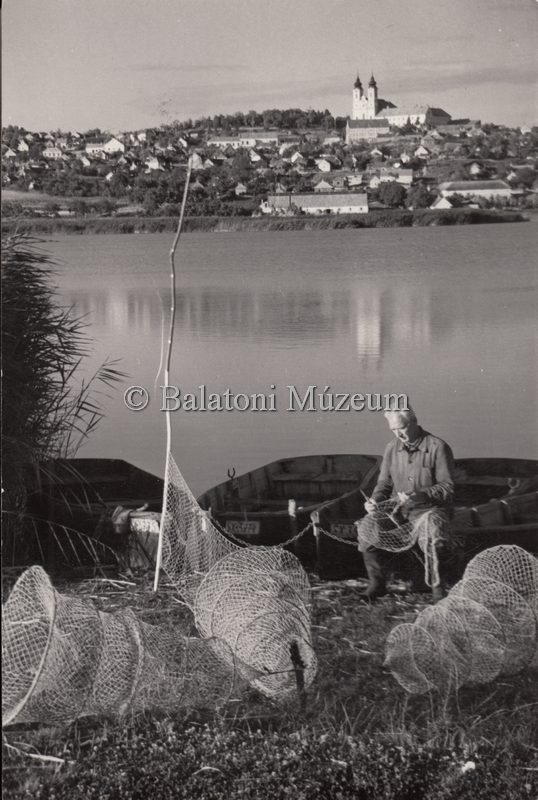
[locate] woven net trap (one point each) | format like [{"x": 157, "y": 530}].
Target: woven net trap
[
  {"x": 62, "y": 658},
  {"x": 486, "y": 627},
  {"x": 386, "y": 529},
  {"x": 254, "y": 599}
]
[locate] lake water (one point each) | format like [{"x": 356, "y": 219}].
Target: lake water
[{"x": 445, "y": 315}]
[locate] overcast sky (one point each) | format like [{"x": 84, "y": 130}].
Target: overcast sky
[{"x": 124, "y": 64}]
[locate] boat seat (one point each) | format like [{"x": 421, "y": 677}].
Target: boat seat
[
  {"x": 522, "y": 506},
  {"x": 489, "y": 515}
]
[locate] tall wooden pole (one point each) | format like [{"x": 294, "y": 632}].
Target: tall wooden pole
[{"x": 167, "y": 370}]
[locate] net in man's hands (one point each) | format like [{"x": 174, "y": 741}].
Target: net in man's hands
[
  {"x": 485, "y": 627},
  {"x": 386, "y": 529}
]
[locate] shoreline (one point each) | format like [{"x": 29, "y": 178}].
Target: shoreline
[{"x": 389, "y": 218}]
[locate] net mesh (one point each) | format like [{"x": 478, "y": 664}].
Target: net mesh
[
  {"x": 386, "y": 529},
  {"x": 485, "y": 627},
  {"x": 192, "y": 544},
  {"x": 63, "y": 659},
  {"x": 255, "y": 599}
]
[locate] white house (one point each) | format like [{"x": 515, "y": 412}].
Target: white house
[
  {"x": 197, "y": 161},
  {"x": 323, "y": 186},
  {"x": 358, "y": 130},
  {"x": 422, "y": 152},
  {"x": 405, "y": 177},
  {"x": 297, "y": 158},
  {"x": 22, "y": 147},
  {"x": 240, "y": 189},
  {"x": 153, "y": 164},
  {"x": 441, "y": 202},
  {"x": 113, "y": 146},
  {"x": 323, "y": 164},
  {"x": 94, "y": 148},
  {"x": 355, "y": 180},
  {"x": 488, "y": 189},
  {"x": 316, "y": 203},
  {"x": 52, "y": 153}
]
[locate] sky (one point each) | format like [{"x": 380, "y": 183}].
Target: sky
[{"x": 128, "y": 64}]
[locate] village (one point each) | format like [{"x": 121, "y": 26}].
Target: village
[{"x": 283, "y": 163}]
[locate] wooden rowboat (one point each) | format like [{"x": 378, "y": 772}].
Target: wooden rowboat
[{"x": 496, "y": 503}]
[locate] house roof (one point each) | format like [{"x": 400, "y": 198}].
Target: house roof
[
  {"x": 459, "y": 185},
  {"x": 411, "y": 111},
  {"x": 317, "y": 199},
  {"x": 367, "y": 123}
]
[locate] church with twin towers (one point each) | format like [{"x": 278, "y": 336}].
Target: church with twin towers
[{"x": 371, "y": 116}]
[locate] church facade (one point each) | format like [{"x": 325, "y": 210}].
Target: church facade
[{"x": 367, "y": 106}]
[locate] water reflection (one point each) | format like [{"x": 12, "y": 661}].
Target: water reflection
[
  {"x": 446, "y": 315},
  {"x": 380, "y": 318},
  {"x": 209, "y": 312}
]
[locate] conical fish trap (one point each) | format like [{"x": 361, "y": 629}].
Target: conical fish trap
[
  {"x": 63, "y": 659},
  {"x": 485, "y": 627},
  {"x": 257, "y": 602}
]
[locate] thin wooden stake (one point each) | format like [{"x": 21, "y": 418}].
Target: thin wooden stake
[
  {"x": 167, "y": 369},
  {"x": 298, "y": 667}
]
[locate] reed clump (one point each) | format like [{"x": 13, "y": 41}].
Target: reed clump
[{"x": 48, "y": 410}]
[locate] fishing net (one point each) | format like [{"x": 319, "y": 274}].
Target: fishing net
[
  {"x": 386, "y": 529},
  {"x": 485, "y": 627},
  {"x": 191, "y": 543},
  {"x": 255, "y": 599},
  {"x": 413, "y": 658},
  {"x": 63, "y": 659}
]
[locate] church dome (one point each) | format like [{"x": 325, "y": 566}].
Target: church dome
[
  {"x": 372, "y": 81},
  {"x": 357, "y": 84}
]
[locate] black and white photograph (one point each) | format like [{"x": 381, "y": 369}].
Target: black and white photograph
[{"x": 269, "y": 399}]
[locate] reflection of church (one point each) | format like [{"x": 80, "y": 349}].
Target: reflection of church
[{"x": 386, "y": 320}]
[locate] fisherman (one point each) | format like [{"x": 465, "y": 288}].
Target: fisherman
[{"x": 417, "y": 469}]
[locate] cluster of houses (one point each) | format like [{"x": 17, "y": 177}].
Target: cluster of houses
[{"x": 315, "y": 171}]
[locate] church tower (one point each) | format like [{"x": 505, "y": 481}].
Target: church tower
[
  {"x": 357, "y": 111},
  {"x": 372, "y": 98}
]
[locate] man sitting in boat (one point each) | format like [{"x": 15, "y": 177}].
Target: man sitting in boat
[{"x": 417, "y": 469}]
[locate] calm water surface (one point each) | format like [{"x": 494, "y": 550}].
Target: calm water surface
[{"x": 446, "y": 315}]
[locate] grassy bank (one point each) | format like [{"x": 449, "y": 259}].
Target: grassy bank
[
  {"x": 398, "y": 218},
  {"x": 361, "y": 736}
]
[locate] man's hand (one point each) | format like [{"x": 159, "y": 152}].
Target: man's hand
[
  {"x": 409, "y": 501},
  {"x": 370, "y": 506}
]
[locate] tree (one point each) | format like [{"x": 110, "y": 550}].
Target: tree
[
  {"x": 419, "y": 197},
  {"x": 391, "y": 194}
]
